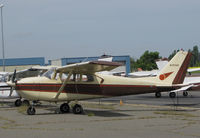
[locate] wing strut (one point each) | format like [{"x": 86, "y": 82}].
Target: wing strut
[{"x": 63, "y": 86}]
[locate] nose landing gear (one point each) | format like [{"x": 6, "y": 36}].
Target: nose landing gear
[{"x": 31, "y": 110}]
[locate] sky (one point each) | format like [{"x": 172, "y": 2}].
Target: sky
[{"x": 75, "y": 28}]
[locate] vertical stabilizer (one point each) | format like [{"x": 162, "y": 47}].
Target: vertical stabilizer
[{"x": 174, "y": 72}]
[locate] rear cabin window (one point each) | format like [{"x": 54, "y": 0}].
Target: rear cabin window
[{"x": 82, "y": 78}]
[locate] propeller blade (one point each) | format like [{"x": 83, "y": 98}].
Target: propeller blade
[
  {"x": 14, "y": 76},
  {"x": 11, "y": 91}
]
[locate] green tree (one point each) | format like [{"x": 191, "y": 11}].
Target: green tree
[
  {"x": 191, "y": 60},
  {"x": 195, "y": 59},
  {"x": 147, "y": 61},
  {"x": 133, "y": 65},
  {"x": 195, "y": 53},
  {"x": 172, "y": 54}
]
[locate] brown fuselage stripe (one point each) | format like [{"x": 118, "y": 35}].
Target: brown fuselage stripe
[{"x": 93, "y": 89}]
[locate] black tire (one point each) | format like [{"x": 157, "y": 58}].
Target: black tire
[
  {"x": 18, "y": 102},
  {"x": 77, "y": 109},
  {"x": 157, "y": 94},
  {"x": 172, "y": 94},
  {"x": 64, "y": 108},
  {"x": 26, "y": 102},
  {"x": 185, "y": 93},
  {"x": 31, "y": 111}
]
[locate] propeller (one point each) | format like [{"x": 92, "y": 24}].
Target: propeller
[
  {"x": 13, "y": 81},
  {"x": 14, "y": 76}
]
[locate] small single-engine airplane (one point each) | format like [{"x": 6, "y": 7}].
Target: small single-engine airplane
[{"x": 83, "y": 81}]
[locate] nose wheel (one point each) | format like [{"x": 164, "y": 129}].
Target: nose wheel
[{"x": 31, "y": 110}]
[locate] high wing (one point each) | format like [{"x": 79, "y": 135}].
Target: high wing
[
  {"x": 84, "y": 68},
  {"x": 43, "y": 67},
  {"x": 88, "y": 67}
]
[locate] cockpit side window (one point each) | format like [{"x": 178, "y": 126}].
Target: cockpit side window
[
  {"x": 82, "y": 78},
  {"x": 90, "y": 78}
]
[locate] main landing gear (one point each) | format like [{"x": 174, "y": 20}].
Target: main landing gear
[
  {"x": 171, "y": 94},
  {"x": 64, "y": 108},
  {"x": 185, "y": 93},
  {"x": 77, "y": 109},
  {"x": 157, "y": 94}
]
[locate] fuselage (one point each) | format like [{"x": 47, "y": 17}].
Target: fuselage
[{"x": 45, "y": 89}]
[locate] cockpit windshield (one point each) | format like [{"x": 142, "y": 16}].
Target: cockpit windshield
[
  {"x": 74, "y": 77},
  {"x": 49, "y": 73}
]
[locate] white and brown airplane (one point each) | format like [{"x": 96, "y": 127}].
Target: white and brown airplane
[{"x": 84, "y": 82}]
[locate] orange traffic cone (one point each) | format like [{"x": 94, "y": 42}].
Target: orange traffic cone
[{"x": 121, "y": 102}]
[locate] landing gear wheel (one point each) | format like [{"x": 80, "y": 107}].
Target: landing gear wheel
[
  {"x": 64, "y": 108},
  {"x": 26, "y": 102},
  {"x": 77, "y": 109},
  {"x": 185, "y": 93},
  {"x": 172, "y": 94},
  {"x": 157, "y": 94},
  {"x": 31, "y": 111},
  {"x": 18, "y": 102}
]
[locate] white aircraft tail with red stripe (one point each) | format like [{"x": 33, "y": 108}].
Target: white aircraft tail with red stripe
[{"x": 174, "y": 72}]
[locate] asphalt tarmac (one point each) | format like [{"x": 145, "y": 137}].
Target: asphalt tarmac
[
  {"x": 192, "y": 100},
  {"x": 137, "y": 116}
]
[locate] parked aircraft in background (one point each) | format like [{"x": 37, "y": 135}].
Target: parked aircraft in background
[
  {"x": 141, "y": 73},
  {"x": 192, "y": 81},
  {"x": 160, "y": 64},
  {"x": 53, "y": 87},
  {"x": 7, "y": 92}
]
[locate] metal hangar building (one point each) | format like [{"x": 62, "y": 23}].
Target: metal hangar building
[
  {"x": 24, "y": 63},
  {"x": 21, "y": 63}
]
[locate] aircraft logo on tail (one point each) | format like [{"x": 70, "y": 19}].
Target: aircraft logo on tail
[{"x": 164, "y": 76}]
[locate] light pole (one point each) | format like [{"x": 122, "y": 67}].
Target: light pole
[{"x": 1, "y": 6}]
